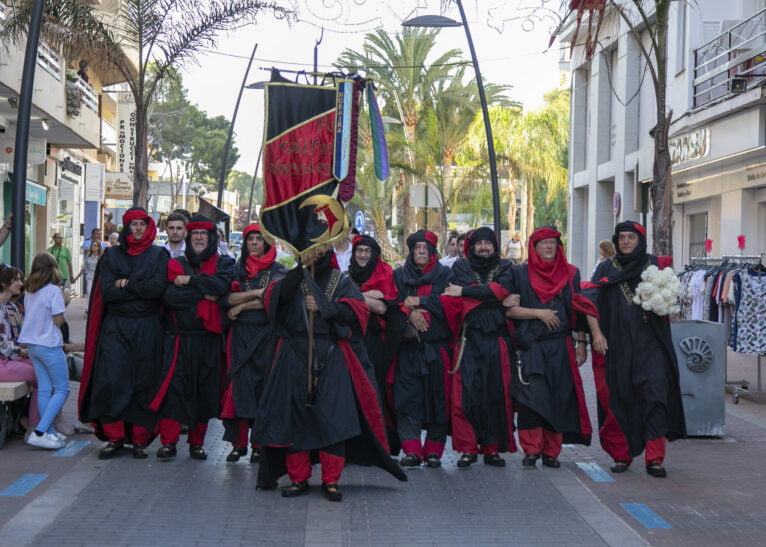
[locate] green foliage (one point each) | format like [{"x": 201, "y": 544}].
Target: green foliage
[
  {"x": 241, "y": 182},
  {"x": 180, "y": 131}
]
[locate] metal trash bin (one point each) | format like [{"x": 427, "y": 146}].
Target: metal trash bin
[{"x": 701, "y": 350}]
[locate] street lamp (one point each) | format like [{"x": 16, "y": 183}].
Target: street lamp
[
  {"x": 261, "y": 86},
  {"x": 439, "y": 21},
  {"x": 22, "y": 134}
]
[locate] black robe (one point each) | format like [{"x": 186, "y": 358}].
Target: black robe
[
  {"x": 421, "y": 381},
  {"x": 641, "y": 365},
  {"x": 192, "y": 352},
  {"x": 482, "y": 382},
  {"x": 381, "y": 341},
  {"x": 346, "y": 405},
  {"x": 125, "y": 327},
  {"x": 249, "y": 348},
  {"x": 555, "y": 389}
]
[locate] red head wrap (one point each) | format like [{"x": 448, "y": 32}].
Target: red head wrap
[
  {"x": 136, "y": 247},
  {"x": 197, "y": 225},
  {"x": 250, "y": 228},
  {"x": 548, "y": 278}
]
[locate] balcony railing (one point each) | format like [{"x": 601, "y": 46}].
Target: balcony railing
[
  {"x": 49, "y": 60},
  {"x": 739, "y": 51},
  {"x": 89, "y": 97}
]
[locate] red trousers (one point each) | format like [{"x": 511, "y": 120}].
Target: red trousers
[
  {"x": 299, "y": 466},
  {"x": 115, "y": 432},
  {"x": 243, "y": 428},
  {"x": 170, "y": 431},
  {"x": 611, "y": 436},
  {"x": 540, "y": 441}
]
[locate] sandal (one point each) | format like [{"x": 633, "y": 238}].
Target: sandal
[
  {"x": 111, "y": 450},
  {"x": 167, "y": 451},
  {"x": 466, "y": 459},
  {"x": 332, "y": 492},
  {"x": 236, "y": 453},
  {"x": 620, "y": 466},
  {"x": 197, "y": 452},
  {"x": 530, "y": 460},
  {"x": 140, "y": 452},
  {"x": 655, "y": 469},
  {"x": 296, "y": 489}
]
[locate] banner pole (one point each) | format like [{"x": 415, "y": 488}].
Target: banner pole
[{"x": 310, "y": 361}]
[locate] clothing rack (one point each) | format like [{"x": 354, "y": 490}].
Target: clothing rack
[
  {"x": 739, "y": 387},
  {"x": 722, "y": 258}
]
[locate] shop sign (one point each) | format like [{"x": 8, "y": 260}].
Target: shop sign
[
  {"x": 118, "y": 186},
  {"x": 36, "y": 150},
  {"x": 94, "y": 182},
  {"x": 72, "y": 166},
  {"x": 66, "y": 191},
  {"x": 689, "y": 147},
  {"x": 126, "y": 132},
  {"x": 35, "y": 193}
]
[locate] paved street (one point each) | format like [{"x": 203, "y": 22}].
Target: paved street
[{"x": 713, "y": 496}]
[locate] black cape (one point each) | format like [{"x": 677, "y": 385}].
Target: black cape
[
  {"x": 346, "y": 405},
  {"x": 193, "y": 353},
  {"x": 641, "y": 365},
  {"x": 555, "y": 389},
  {"x": 126, "y": 336}
]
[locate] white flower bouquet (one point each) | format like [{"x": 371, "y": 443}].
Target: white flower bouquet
[{"x": 658, "y": 291}]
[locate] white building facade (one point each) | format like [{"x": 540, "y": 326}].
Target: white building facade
[{"x": 716, "y": 76}]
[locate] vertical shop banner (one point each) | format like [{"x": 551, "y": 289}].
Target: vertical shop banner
[
  {"x": 126, "y": 133},
  {"x": 94, "y": 182},
  {"x": 301, "y": 205}
]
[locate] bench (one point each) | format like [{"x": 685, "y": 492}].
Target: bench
[
  {"x": 11, "y": 391},
  {"x": 9, "y": 416}
]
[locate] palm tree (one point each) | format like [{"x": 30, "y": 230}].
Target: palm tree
[
  {"x": 531, "y": 148},
  {"x": 398, "y": 65},
  {"x": 453, "y": 110},
  {"x": 145, "y": 41}
]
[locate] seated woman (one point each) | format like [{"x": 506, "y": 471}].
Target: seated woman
[{"x": 15, "y": 365}]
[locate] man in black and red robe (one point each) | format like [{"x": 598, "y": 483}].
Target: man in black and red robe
[
  {"x": 640, "y": 401},
  {"x": 482, "y": 412},
  {"x": 123, "y": 351},
  {"x": 334, "y": 415},
  {"x": 375, "y": 279},
  {"x": 421, "y": 377},
  {"x": 190, "y": 395},
  {"x": 547, "y": 389},
  {"x": 249, "y": 349}
]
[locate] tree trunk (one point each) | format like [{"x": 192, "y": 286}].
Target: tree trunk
[
  {"x": 387, "y": 250},
  {"x": 661, "y": 191},
  {"x": 530, "y": 209},
  {"x": 512, "y": 207},
  {"x": 141, "y": 168}
]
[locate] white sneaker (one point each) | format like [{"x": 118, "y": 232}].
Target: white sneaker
[
  {"x": 60, "y": 436},
  {"x": 49, "y": 441}
]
